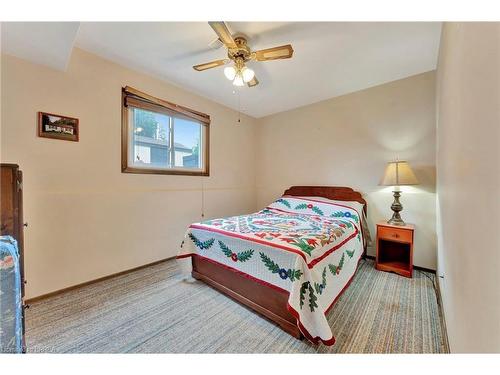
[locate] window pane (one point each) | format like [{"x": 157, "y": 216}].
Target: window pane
[
  {"x": 187, "y": 144},
  {"x": 150, "y": 139}
]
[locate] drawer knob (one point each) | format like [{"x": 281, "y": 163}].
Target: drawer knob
[{"x": 395, "y": 235}]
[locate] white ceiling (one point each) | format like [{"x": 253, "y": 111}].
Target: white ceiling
[
  {"x": 330, "y": 58},
  {"x": 45, "y": 43}
]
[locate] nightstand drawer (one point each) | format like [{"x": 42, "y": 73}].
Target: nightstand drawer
[{"x": 394, "y": 234}]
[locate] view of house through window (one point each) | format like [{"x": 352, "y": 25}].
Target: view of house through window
[
  {"x": 163, "y": 141},
  {"x": 151, "y": 133},
  {"x": 162, "y": 137}
]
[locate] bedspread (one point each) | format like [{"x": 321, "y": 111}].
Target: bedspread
[{"x": 307, "y": 247}]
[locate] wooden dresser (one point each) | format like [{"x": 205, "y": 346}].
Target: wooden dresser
[{"x": 11, "y": 212}]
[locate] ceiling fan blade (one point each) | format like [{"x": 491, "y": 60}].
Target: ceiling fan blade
[
  {"x": 210, "y": 65},
  {"x": 275, "y": 53},
  {"x": 223, "y": 33},
  {"x": 253, "y": 82},
  {"x": 215, "y": 44}
]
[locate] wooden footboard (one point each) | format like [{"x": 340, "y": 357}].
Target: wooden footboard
[{"x": 267, "y": 301}]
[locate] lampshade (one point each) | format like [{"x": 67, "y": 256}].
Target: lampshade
[
  {"x": 238, "y": 80},
  {"x": 247, "y": 74},
  {"x": 398, "y": 173},
  {"x": 230, "y": 72}
]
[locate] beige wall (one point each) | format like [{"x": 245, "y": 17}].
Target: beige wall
[
  {"x": 347, "y": 141},
  {"x": 468, "y": 186},
  {"x": 86, "y": 218}
]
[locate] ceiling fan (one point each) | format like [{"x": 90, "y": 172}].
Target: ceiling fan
[{"x": 239, "y": 53}]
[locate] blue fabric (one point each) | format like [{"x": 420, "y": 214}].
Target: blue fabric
[{"x": 10, "y": 297}]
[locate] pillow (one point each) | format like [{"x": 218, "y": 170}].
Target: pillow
[{"x": 351, "y": 204}]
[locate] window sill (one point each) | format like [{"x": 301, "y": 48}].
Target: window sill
[{"x": 164, "y": 171}]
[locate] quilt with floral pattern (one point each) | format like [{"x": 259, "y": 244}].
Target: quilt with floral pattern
[{"x": 306, "y": 247}]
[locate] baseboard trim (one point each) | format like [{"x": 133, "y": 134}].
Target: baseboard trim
[
  {"x": 56, "y": 292},
  {"x": 441, "y": 315},
  {"x": 415, "y": 267}
]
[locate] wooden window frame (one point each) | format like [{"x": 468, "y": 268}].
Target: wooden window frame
[{"x": 137, "y": 99}]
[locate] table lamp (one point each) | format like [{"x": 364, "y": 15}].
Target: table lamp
[{"x": 398, "y": 173}]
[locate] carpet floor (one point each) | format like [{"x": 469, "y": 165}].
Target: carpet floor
[{"x": 153, "y": 311}]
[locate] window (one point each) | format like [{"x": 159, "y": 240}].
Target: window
[{"x": 161, "y": 137}]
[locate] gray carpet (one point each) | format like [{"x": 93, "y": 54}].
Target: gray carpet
[{"x": 153, "y": 311}]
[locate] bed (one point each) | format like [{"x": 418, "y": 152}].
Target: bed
[{"x": 289, "y": 262}]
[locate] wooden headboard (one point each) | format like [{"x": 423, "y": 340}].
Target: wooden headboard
[{"x": 339, "y": 193}]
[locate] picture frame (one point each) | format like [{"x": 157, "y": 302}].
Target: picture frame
[{"x": 60, "y": 127}]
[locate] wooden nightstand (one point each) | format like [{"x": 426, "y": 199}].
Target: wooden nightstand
[{"x": 395, "y": 248}]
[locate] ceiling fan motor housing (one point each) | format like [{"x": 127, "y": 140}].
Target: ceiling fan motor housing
[{"x": 242, "y": 51}]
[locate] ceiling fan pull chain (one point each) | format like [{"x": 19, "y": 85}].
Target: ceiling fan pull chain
[{"x": 239, "y": 107}]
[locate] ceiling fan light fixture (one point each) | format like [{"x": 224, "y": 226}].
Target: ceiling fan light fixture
[
  {"x": 230, "y": 72},
  {"x": 247, "y": 74},
  {"x": 238, "y": 80}
]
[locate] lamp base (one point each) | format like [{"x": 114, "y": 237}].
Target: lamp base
[
  {"x": 397, "y": 207},
  {"x": 396, "y": 221}
]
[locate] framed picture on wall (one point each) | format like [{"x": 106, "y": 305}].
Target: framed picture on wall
[{"x": 58, "y": 127}]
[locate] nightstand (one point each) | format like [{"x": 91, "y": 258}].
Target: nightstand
[{"x": 395, "y": 248}]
